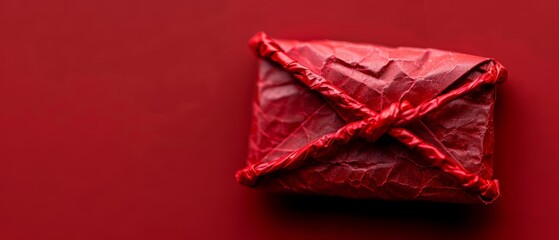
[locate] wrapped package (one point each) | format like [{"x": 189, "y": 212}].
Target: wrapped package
[{"x": 368, "y": 121}]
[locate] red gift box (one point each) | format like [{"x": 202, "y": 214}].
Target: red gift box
[{"x": 367, "y": 121}]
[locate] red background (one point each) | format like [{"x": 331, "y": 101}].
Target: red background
[{"x": 128, "y": 119}]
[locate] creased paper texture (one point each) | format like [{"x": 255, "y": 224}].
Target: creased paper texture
[{"x": 367, "y": 121}]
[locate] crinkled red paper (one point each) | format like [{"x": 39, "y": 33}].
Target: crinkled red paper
[{"x": 367, "y": 121}]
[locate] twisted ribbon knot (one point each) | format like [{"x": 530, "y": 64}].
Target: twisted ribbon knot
[
  {"x": 247, "y": 176},
  {"x": 490, "y": 191},
  {"x": 378, "y": 125}
]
